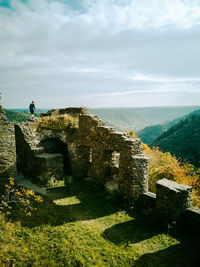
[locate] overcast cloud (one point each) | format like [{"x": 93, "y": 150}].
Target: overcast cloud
[{"x": 99, "y": 53}]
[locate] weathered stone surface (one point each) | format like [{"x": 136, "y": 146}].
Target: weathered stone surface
[
  {"x": 172, "y": 199},
  {"x": 7, "y": 148}
]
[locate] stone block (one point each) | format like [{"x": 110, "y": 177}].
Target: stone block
[{"x": 172, "y": 199}]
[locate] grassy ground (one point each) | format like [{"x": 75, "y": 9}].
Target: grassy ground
[{"x": 78, "y": 225}]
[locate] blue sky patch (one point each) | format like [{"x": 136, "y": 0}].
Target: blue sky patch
[{"x": 7, "y": 4}]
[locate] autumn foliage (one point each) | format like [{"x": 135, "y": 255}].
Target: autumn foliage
[
  {"x": 164, "y": 165},
  {"x": 20, "y": 196}
]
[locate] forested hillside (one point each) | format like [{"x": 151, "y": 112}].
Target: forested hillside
[
  {"x": 149, "y": 134},
  {"x": 182, "y": 140}
]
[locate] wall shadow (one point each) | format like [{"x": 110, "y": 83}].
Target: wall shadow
[
  {"x": 132, "y": 231},
  {"x": 185, "y": 254},
  {"x": 93, "y": 204}
]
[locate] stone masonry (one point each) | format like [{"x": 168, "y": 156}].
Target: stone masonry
[
  {"x": 7, "y": 148},
  {"x": 93, "y": 151}
]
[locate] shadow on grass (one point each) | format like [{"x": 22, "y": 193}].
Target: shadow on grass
[
  {"x": 185, "y": 254},
  {"x": 132, "y": 231},
  {"x": 93, "y": 204}
]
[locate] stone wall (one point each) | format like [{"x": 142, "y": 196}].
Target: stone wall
[
  {"x": 94, "y": 151},
  {"x": 7, "y": 148},
  {"x": 172, "y": 203}
]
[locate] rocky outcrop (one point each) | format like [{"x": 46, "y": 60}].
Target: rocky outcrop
[{"x": 7, "y": 148}]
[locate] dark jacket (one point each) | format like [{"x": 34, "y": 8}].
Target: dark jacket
[{"x": 32, "y": 107}]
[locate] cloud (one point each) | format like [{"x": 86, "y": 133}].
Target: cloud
[
  {"x": 77, "y": 51},
  {"x": 149, "y": 78}
]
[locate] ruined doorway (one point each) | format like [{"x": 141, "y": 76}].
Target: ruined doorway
[{"x": 55, "y": 145}]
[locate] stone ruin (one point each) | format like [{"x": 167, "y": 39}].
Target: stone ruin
[{"x": 92, "y": 151}]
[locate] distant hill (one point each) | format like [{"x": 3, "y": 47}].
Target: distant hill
[
  {"x": 151, "y": 133},
  {"x": 16, "y": 116},
  {"x": 183, "y": 139},
  {"x": 126, "y": 118},
  {"x": 138, "y": 118}
]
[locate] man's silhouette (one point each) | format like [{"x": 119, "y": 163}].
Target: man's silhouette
[{"x": 32, "y": 109}]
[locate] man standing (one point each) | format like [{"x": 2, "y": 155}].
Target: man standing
[{"x": 32, "y": 109}]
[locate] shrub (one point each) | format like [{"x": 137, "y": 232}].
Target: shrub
[
  {"x": 58, "y": 122},
  {"x": 20, "y": 196}
]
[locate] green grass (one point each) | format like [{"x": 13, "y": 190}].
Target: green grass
[{"x": 79, "y": 225}]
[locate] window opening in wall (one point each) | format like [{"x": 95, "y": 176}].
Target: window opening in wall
[
  {"x": 115, "y": 159},
  {"x": 107, "y": 163},
  {"x": 115, "y": 164},
  {"x": 90, "y": 155},
  {"x": 111, "y": 164}
]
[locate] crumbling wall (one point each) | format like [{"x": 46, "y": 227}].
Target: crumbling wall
[
  {"x": 103, "y": 154},
  {"x": 114, "y": 157},
  {"x": 7, "y": 148},
  {"x": 33, "y": 161}
]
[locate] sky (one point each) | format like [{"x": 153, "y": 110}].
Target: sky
[{"x": 99, "y": 53}]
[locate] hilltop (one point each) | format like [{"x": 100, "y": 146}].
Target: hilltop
[{"x": 97, "y": 210}]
